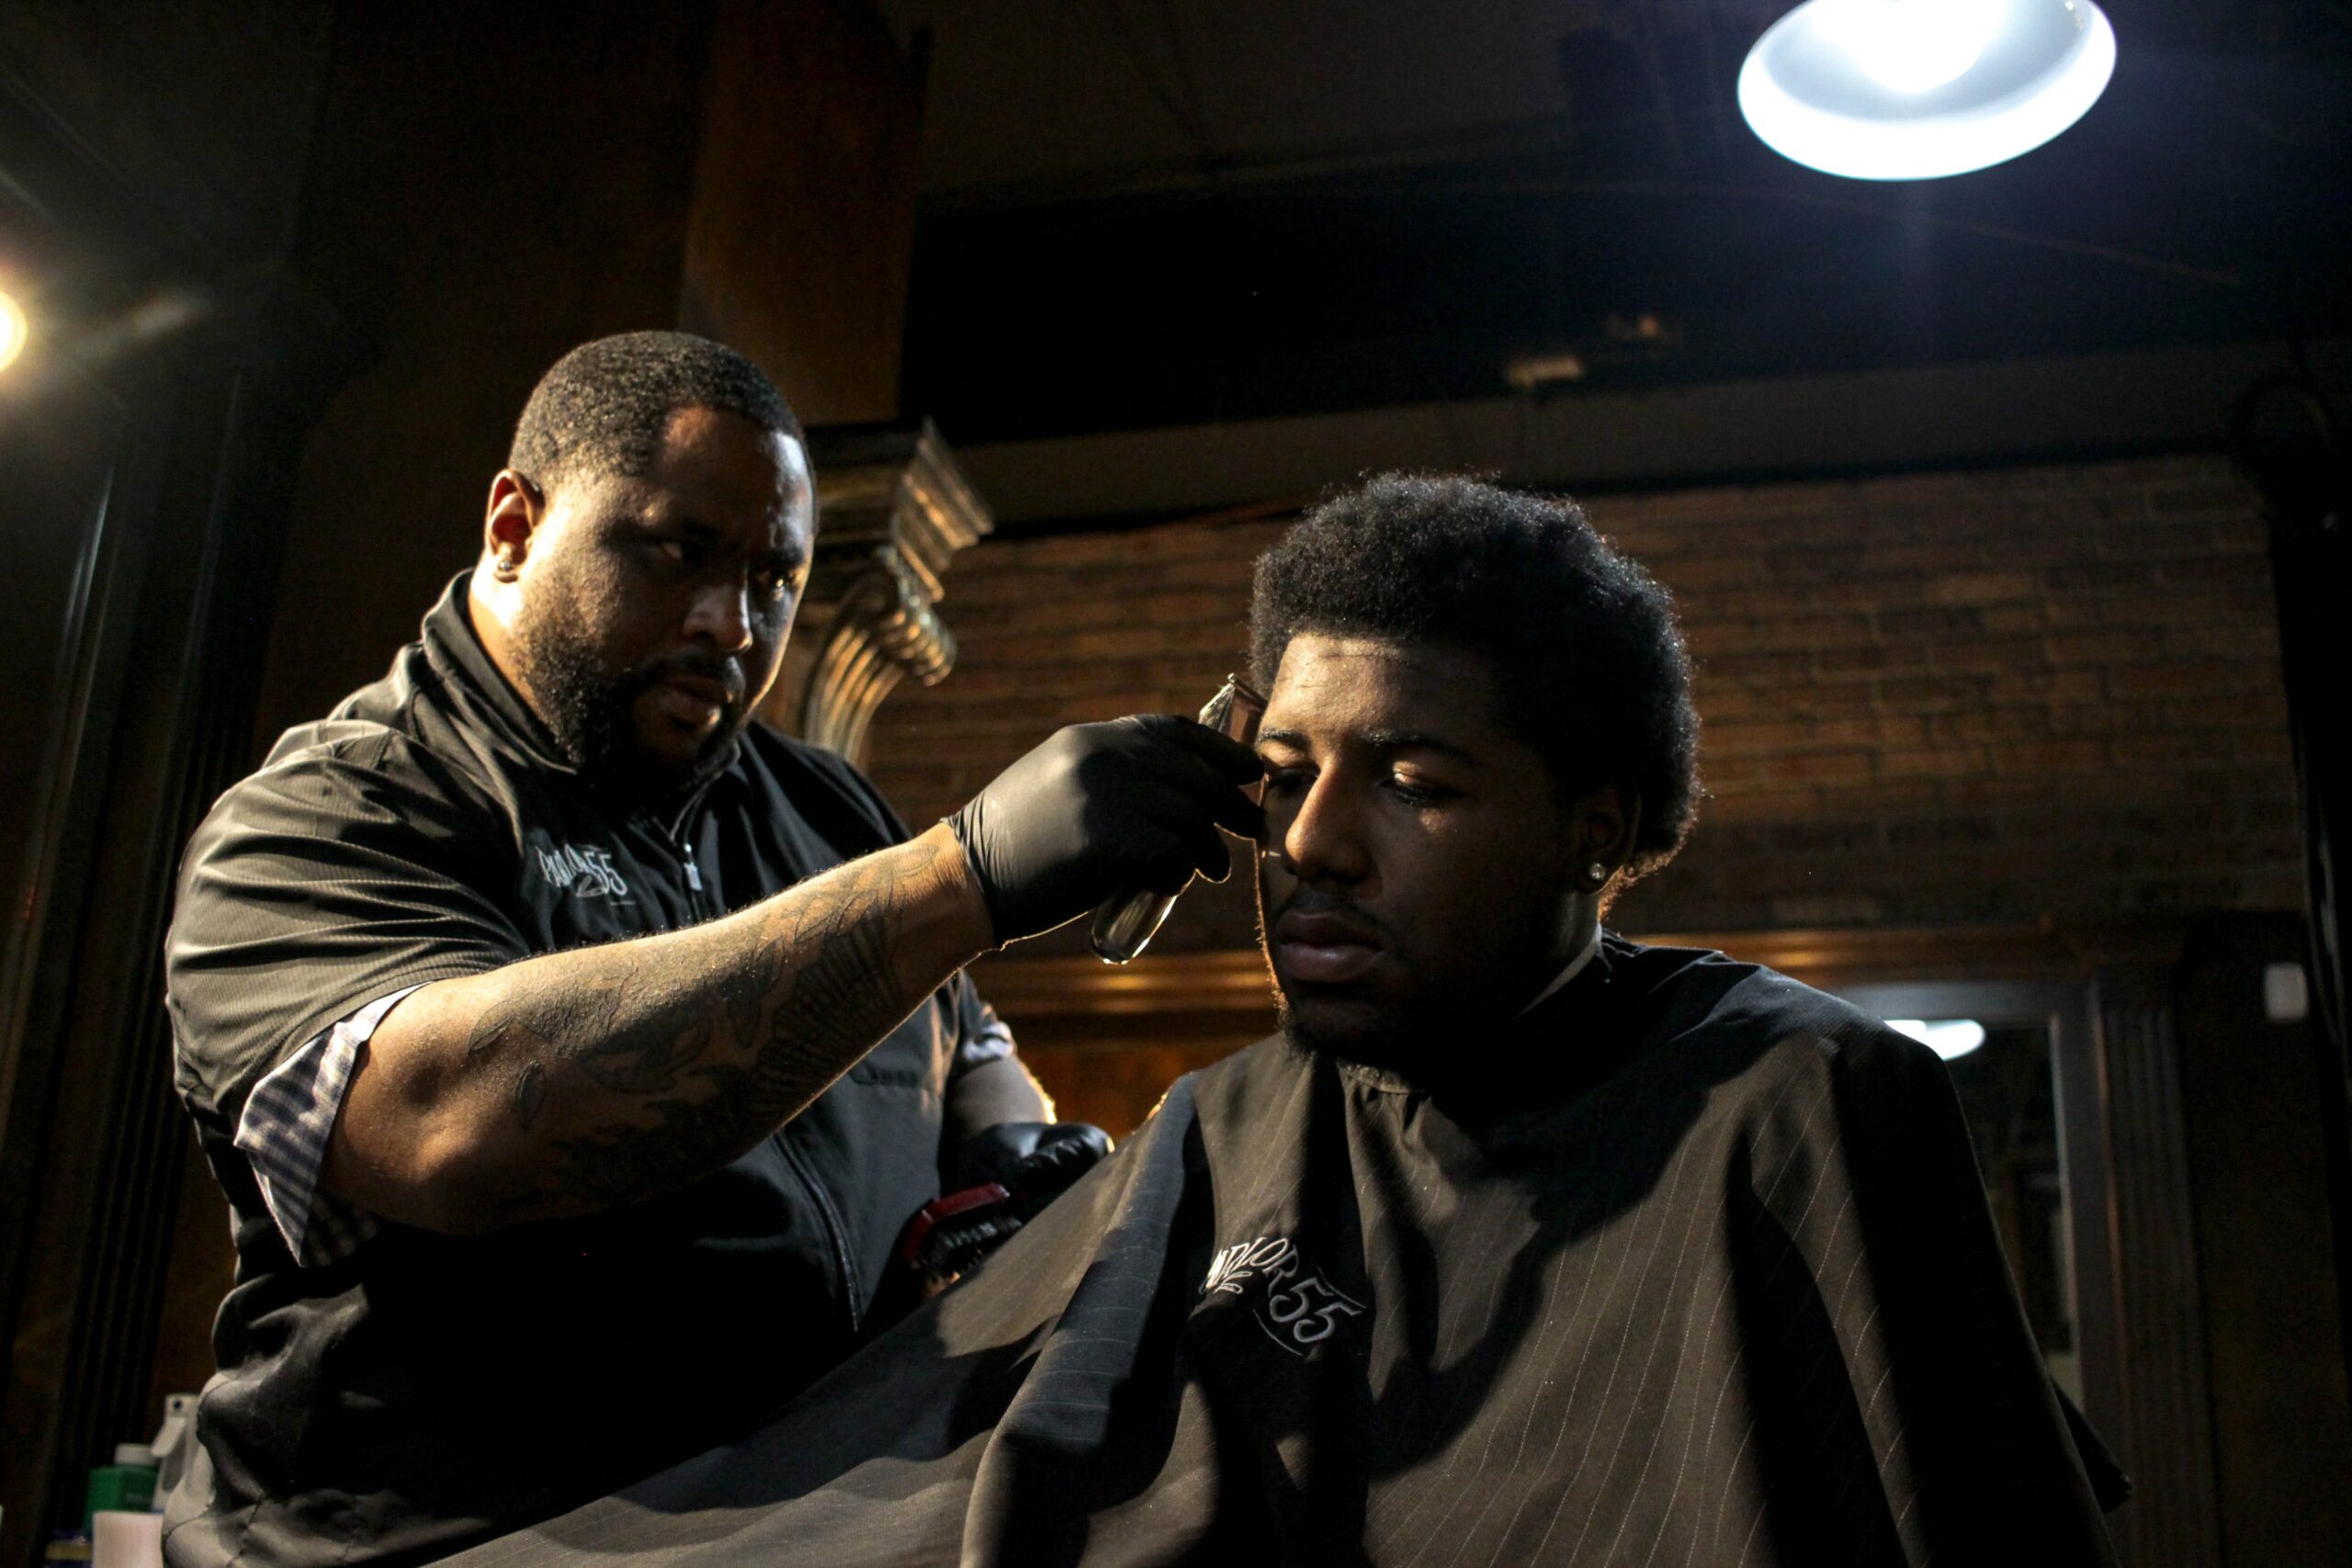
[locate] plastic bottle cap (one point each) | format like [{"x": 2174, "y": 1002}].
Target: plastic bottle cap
[{"x": 137, "y": 1456}]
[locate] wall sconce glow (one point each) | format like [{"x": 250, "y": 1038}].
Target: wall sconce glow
[
  {"x": 13, "y": 331},
  {"x": 1919, "y": 90},
  {"x": 1947, "y": 1037},
  {"x": 1532, "y": 373}
]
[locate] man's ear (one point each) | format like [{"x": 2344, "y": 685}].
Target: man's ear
[
  {"x": 511, "y": 522},
  {"x": 1603, "y": 826}
]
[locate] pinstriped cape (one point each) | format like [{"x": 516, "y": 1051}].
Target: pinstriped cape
[{"x": 1704, "y": 1275}]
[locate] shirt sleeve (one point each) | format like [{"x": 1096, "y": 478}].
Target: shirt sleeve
[
  {"x": 283, "y": 1134},
  {"x": 987, "y": 1083},
  {"x": 336, "y": 876},
  {"x": 980, "y": 1035}
]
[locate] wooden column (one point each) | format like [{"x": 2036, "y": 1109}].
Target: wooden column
[
  {"x": 892, "y": 510},
  {"x": 2167, "y": 1436}
]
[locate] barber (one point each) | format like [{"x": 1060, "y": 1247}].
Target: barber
[{"x": 572, "y": 1049}]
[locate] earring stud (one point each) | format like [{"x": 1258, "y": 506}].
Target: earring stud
[{"x": 1596, "y": 874}]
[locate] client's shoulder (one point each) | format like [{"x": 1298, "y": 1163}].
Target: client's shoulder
[{"x": 1758, "y": 1014}]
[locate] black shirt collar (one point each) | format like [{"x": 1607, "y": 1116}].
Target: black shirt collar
[
  {"x": 455, "y": 651},
  {"x": 489, "y": 702}
]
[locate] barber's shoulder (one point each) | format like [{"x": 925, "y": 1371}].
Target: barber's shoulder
[
  {"x": 367, "y": 746},
  {"x": 323, "y": 777},
  {"x": 331, "y": 740}
]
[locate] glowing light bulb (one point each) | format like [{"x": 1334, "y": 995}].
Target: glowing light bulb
[
  {"x": 13, "y": 331},
  {"x": 1914, "y": 46}
]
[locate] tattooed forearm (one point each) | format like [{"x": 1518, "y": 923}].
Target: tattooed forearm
[
  {"x": 632, "y": 1070},
  {"x": 530, "y": 1094}
]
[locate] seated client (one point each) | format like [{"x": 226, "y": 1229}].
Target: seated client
[{"x": 1522, "y": 1243}]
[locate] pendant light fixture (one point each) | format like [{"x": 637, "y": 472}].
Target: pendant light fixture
[{"x": 1919, "y": 90}]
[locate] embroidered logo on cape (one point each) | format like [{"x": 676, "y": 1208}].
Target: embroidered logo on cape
[{"x": 1297, "y": 1306}]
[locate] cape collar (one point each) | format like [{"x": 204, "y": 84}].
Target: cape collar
[{"x": 1559, "y": 982}]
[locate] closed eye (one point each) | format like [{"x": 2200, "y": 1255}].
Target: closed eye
[
  {"x": 1416, "y": 792},
  {"x": 676, "y": 551},
  {"x": 1282, "y": 782}
]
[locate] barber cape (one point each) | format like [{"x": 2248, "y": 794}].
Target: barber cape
[{"x": 1701, "y": 1273}]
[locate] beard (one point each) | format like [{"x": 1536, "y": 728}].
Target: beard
[
  {"x": 590, "y": 708},
  {"x": 1440, "y": 1035},
  {"x": 1408, "y": 1038},
  {"x": 1388, "y": 1048}
]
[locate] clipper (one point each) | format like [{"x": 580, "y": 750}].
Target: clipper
[{"x": 1124, "y": 926}]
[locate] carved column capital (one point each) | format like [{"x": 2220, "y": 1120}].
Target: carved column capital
[{"x": 892, "y": 510}]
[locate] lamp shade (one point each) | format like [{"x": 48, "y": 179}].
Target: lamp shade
[{"x": 1919, "y": 90}]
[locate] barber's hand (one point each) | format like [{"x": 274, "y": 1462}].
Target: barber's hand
[
  {"x": 1030, "y": 1164},
  {"x": 1102, "y": 809},
  {"x": 1022, "y": 1155}
]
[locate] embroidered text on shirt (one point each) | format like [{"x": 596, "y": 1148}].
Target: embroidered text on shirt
[{"x": 588, "y": 873}]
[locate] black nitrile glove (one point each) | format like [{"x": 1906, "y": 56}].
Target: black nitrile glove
[
  {"x": 1004, "y": 1175},
  {"x": 1021, "y": 1154},
  {"x": 1102, "y": 809}
]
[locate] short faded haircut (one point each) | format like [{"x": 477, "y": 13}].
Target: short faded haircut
[{"x": 602, "y": 408}]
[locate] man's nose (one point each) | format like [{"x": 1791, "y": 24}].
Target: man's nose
[
  {"x": 1323, "y": 840},
  {"x": 721, "y": 617}
]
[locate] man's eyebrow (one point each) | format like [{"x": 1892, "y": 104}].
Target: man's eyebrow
[
  {"x": 1414, "y": 741},
  {"x": 1383, "y": 741},
  {"x": 790, "y": 556},
  {"x": 684, "y": 522}
]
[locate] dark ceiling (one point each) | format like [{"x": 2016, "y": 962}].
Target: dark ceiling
[{"x": 1106, "y": 244}]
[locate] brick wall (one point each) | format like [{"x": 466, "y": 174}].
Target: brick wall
[{"x": 1928, "y": 699}]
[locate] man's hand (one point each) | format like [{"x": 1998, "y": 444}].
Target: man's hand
[
  {"x": 1021, "y": 1154},
  {"x": 1102, "y": 809},
  {"x": 1008, "y": 1173}
]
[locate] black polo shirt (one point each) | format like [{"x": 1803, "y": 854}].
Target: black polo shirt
[{"x": 427, "y": 1391}]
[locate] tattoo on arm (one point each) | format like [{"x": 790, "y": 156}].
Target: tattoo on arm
[
  {"x": 701, "y": 1060},
  {"x": 530, "y": 1094}
]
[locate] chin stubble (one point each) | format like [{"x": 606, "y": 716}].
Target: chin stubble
[{"x": 589, "y": 714}]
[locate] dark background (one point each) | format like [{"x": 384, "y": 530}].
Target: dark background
[{"x": 1941, "y": 474}]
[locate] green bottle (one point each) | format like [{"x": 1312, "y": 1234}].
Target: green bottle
[{"x": 128, "y": 1485}]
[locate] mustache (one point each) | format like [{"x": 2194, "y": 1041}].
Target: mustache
[
  {"x": 697, "y": 664},
  {"x": 1309, "y": 900}
]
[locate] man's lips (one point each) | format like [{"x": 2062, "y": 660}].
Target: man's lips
[
  {"x": 691, "y": 699},
  {"x": 1324, "y": 949}
]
